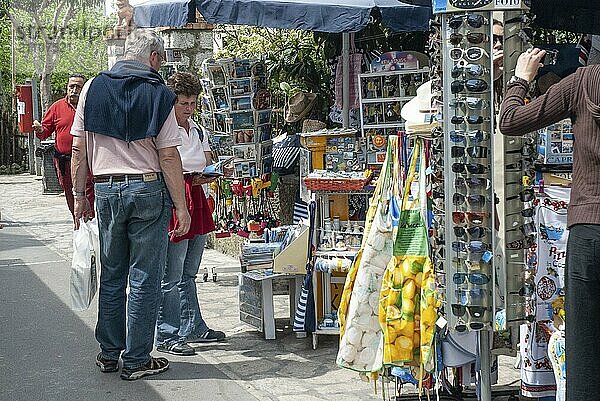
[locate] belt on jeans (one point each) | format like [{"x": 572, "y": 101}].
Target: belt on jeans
[{"x": 146, "y": 177}]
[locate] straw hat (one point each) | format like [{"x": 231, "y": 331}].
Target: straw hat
[
  {"x": 313, "y": 125},
  {"x": 298, "y": 106}
]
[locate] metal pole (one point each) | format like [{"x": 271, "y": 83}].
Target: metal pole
[
  {"x": 346, "y": 80},
  {"x": 13, "y": 64},
  {"x": 36, "y": 116},
  {"x": 484, "y": 352}
]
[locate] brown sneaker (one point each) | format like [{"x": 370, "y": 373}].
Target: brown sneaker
[{"x": 153, "y": 367}]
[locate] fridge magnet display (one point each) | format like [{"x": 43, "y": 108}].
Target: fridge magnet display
[
  {"x": 244, "y": 152},
  {"x": 217, "y": 75},
  {"x": 263, "y": 117},
  {"x": 243, "y": 136},
  {"x": 245, "y": 169},
  {"x": 219, "y": 98},
  {"x": 242, "y": 120},
  {"x": 241, "y": 103},
  {"x": 241, "y": 69},
  {"x": 262, "y": 99},
  {"x": 264, "y": 132}
]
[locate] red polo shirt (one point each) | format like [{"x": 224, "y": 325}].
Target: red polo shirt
[{"x": 59, "y": 119}]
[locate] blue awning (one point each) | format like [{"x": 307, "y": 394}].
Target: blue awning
[{"x": 309, "y": 15}]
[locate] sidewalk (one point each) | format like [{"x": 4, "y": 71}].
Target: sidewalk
[{"x": 244, "y": 367}]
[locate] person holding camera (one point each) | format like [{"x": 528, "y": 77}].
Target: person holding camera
[{"x": 576, "y": 96}]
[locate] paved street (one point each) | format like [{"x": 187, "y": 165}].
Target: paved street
[{"x": 47, "y": 351}]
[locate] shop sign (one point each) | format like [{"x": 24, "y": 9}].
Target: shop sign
[
  {"x": 394, "y": 61},
  {"x": 445, "y": 6}
]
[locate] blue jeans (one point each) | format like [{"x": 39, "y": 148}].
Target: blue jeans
[
  {"x": 133, "y": 220},
  {"x": 179, "y": 314}
]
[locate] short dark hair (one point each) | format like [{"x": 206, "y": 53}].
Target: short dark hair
[
  {"x": 498, "y": 22},
  {"x": 78, "y": 75},
  {"x": 184, "y": 83}
]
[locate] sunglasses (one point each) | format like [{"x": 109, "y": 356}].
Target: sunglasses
[
  {"x": 524, "y": 164},
  {"x": 525, "y": 150},
  {"x": 473, "y": 103},
  {"x": 472, "y": 85},
  {"x": 472, "y": 232},
  {"x": 473, "y": 247},
  {"x": 471, "y": 182},
  {"x": 475, "y": 311},
  {"x": 522, "y": 243},
  {"x": 523, "y": 18},
  {"x": 475, "y": 136},
  {"x": 475, "y": 152},
  {"x": 473, "y": 200},
  {"x": 473, "y": 70},
  {"x": 468, "y": 295},
  {"x": 473, "y": 53},
  {"x": 473, "y": 168},
  {"x": 473, "y": 278},
  {"x": 475, "y": 218},
  {"x": 529, "y": 212},
  {"x": 526, "y": 195},
  {"x": 456, "y": 120},
  {"x": 526, "y": 291},
  {"x": 473, "y": 20},
  {"x": 472, "y": 37}
]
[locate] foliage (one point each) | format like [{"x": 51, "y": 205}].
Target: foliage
[
  {"x": 5, "y": 67},
  {"x": 44, "y": 26}
]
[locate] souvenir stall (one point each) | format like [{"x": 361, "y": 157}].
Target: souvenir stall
[{"x": 236, "y": 107}]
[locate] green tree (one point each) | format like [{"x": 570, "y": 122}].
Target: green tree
[
  {"x": 42, "y": 26},
  {"x": 82, "y": 50}
]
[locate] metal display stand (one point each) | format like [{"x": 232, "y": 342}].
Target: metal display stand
[{"x": 464, "y": 44}]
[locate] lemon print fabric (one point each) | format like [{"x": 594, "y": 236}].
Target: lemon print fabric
[{"x": 407, "y": 311}]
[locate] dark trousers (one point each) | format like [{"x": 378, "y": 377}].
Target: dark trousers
[
  {"x": 582, "y": 340},
  {"x": 63, "y": 171}
]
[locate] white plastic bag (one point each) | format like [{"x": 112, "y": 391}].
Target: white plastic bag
[{"x": 85, "y": 265}]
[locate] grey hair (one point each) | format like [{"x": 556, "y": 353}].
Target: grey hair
[{"x": 141, "y": 43}]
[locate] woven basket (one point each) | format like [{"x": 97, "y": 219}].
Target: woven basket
[
  {"x": 313, "y": 125},
  {"x": 335, "y": 184}
]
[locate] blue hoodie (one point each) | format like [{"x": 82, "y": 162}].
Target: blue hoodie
[{"x": 128, "y": 102}]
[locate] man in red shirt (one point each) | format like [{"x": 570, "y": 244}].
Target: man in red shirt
[{"x": 59, "y": 119}]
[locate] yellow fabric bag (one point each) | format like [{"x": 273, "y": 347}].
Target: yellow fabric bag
[{"x": 407, "y": 308}]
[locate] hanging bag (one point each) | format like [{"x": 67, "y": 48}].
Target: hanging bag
[
  {"x": 407, "y": 311},
  {"x": 305, "y": 317},
  {"x": 361, "y": 338},
  {"x": 85, "y": 265}
]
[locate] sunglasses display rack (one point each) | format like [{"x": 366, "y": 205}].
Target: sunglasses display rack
[
  {"x": 392, "y": 82},
  {"x": 468, "y": 121},
  {"x": 517, "y": 195},
  {"x": 237, "y": 109}
]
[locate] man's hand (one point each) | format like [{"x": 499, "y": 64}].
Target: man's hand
[
  {"x": 37, "y": 127},
  {"x": 82, "y": 210},
  {"x": 529, "y": 63},
  {"x": 183, "y": 222},
  {"x": 200, "y": 179}
]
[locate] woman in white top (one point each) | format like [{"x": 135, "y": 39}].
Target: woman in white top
[{"x": 179, "y": 319}]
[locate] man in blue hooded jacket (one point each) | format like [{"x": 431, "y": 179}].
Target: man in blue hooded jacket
[{"x": 126, "y": 133}]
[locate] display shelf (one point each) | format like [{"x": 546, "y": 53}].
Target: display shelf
[
  {"x": 388, "y": 99},
  {"x": 334, "y": 253},
  {"x": 386, "y": 125},
  {"x": 365, "y": 191}
]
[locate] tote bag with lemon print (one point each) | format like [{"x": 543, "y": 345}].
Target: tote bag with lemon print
[
  {"x": 361, "y": 337},
  {"x": 407, "y": 311}
]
